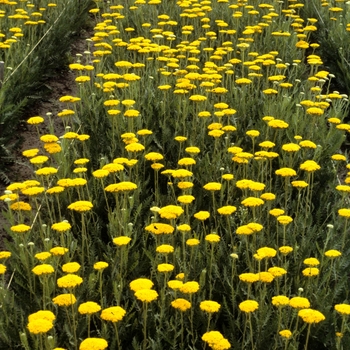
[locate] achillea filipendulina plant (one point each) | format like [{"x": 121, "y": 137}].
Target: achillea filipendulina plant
[{"x": 244, "y": 134}]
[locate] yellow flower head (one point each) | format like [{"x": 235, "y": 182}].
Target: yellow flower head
[
  {"x": 88, "y": 308},
  {"x": 113, "y": 314},
  {"x": 299, "y": 303},
  {"x": 121, "y": 241},
  {"x": 181, "y": 304},
  {"x": 343, "y": 309},
  {"x": 80, "y": 206},
  {"x": 93, "y": 343},
  {"x": 209, "y": 306},
  {"x": 140, "y": 283},
  {"x": 202, "y": 215},
  {"x": 280, "y": 300},
  {"x": 64, "y": 300},
  {"x": 311, "y": 316},
  {"x": 159, "y": 228},
  {"x": 71, "y": 267},
  {"x": 248, "y": 306},
  {"x": 165, "y": 267},
  {"x": 190, "y": 287},
  {"x": 69, "y": 281},
  {"x": 39, "y": 326},
  {"x": 146, "y": 295}
]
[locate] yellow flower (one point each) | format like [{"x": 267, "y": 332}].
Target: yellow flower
[
  {"x": 58, "y": 251},
  {"x": 121, "y": 187},
  {"x": 299, "y": 184},
  {"x": 277, "y": 271},
  {"x": 69, "y": 281},
  {"x": 140, "y": 283},
  {"x": 100, "y": 173},
  {"x": 80, "y": 206},
  {"x": 286, "y": 172},
  {"x": 46, "y": 171},
  {"x": 93, "y": 344},
  {"x": 285, "y": 250},
  {"x": 209, "y": 306},
  {"x": 212, "y": 186},
  {"x": 35, "y": 120},
  {"x": 285, "y": 333},
  {"x": 88, "y": 308},
  {"x": 198, "y": 98},
  {"x": 186, "y": 161},
  {"x": 33, "y": 191},
  {"x": 64, "y": 300},
  {"x": 268, "y": 196},
  {"x": 332, "y": 253},
  {"x": 311, "y": 316},
  {"x": 192, "y": 242},
  {"x": 122, "y": 240},
  {"x": 253, "y": 133},
  {"x": 165, "y": 249},
  {"x": 192, "y": 150},
  {"x": 154, "y": 156},
  {"x": 41, "y": 256},
  {"x": 30, "y": 152},
  {"x": 291, "y": 147},
  {"x": 344, "y": 212},
  {"x": 265, "y": 277},
  {"x": 71, "y": 267},
  {"x": 190, "y": 287},
  {"x": 311, "y": 262},
  {"x": 159, "y": 228},
  {"x": 278, "y": 124},
  {"x": 248, "y": 277},
  {"x": 113, "y": 314},
  {"x": 146, "y": 295},
  {"x": 170, "y": 212},
  {"x": 227, "y": 210},
  {"x": 55, "y": 190},
  {"x": 315, "y": 111},
  {"x": 2, "y": 269},
  {"x": 49, "y": 138},
  {"x": 248, "y": 306},
  {"x": 5, "y": 254},
  {"x": 20, "y": 228},
  {"x": 100, "y": 265},
  {"x": 181, "y": 304},
  {"x": 309, "y": 166},
  {"x": 212, "y": 238},
  {"x": 202, "y": 215},
  {"x": 252, "y": 202},
  {"x": 266, "y": 252},
  {"x": 165, "y": 267},
  {"x": 299, "y": 303},
  {"x": 311, "y": 271},
  {"x": 181, "y": 173},
  {"x": 343, "y": 309},
  {"x": 284, "y": 219},
  {"x": 186, "y": 199},
  {"x": 280, "y": 300},
  {"x": 175, "y": 284},
  {"x": 42, "y": 315},
  {"x": 39, "y": 326},
  {"x": 61, "y": 226},
  {"x": 21, "y": 206}
]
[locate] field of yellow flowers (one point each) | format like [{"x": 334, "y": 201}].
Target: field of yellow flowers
[{"x": 199, "y": 197}]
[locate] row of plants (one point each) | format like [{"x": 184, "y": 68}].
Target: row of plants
[
  {"x": 198, "y": 197},
  {"x": 34, "y": 48}
]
